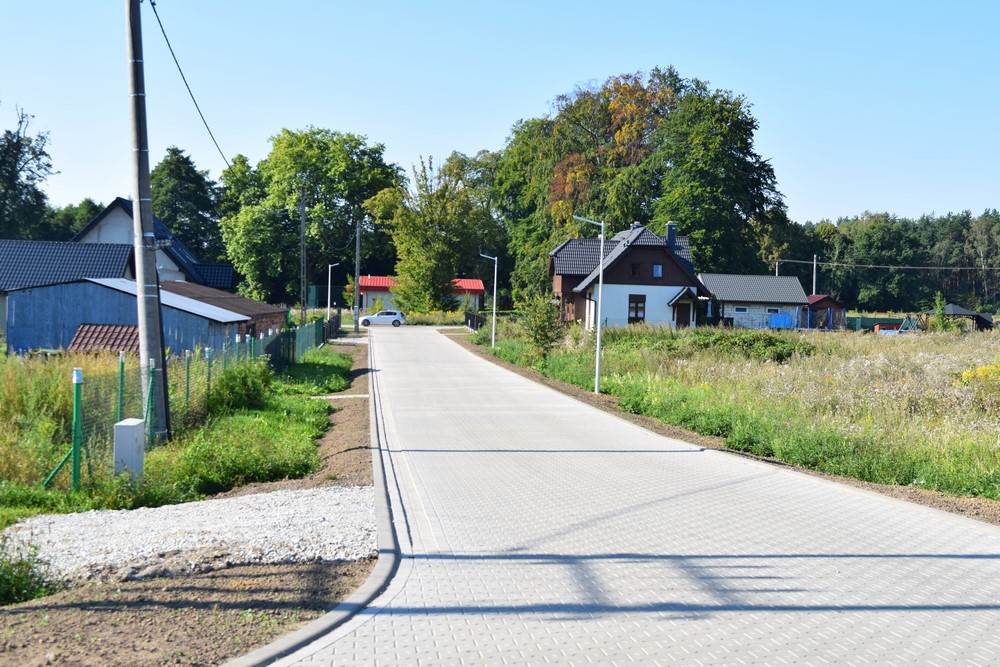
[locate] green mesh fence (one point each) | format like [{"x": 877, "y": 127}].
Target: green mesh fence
[{"x": 112, "y": 395}]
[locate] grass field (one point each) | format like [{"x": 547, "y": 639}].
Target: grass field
[{"x": 920, "y": 410}]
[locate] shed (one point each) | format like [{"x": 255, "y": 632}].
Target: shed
[
  {"x": 980, "y": 321},
  {"x": 757, "y": 302},
  {"x": 824, "y": 312},
  {"x": 263, "y": 316},
  {"x": 49, "y": 316}
]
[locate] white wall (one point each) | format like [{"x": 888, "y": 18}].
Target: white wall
[
  {"x": 615, "y": 311},
  {"x": 117, "y": 228},
  {"x": 371, "y": 294}
]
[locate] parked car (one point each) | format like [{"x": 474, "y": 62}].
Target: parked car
[{"x": 393, "y": 317}]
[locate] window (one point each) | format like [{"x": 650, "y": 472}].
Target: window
[
  {"x": 740, "y": 309},
  {"x": 634, "y": 270},
  {"x": 636, "y": 308},
  {"x": 657, "y": 270},
  {"x": 772, "y": 311}
]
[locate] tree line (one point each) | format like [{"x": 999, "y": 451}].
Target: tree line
[{"x": 647, "y": 148}]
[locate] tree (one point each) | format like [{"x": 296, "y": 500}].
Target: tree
[
  {"x": 186, "y": 200},
  {"x": 714, "y": 183},
  {"x": 62, "y": 224},
  {"x": 336, "y": 173},
  {"x": 24, "y": 166},
  {"x": 436, "y": 227}
]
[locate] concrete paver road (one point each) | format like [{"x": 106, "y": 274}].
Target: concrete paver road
[{"x": 536, "y": 530}]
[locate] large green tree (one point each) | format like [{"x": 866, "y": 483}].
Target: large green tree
[
  {"x": 186, "y": 200},
  {"x": 438, "y": 227},
  {"x": 335, "y": 173},
  {"x": 64, "y": 222},
  {"x": 639, "y": 148},
  {"x": 24, "y": 166},
  {"x": 714, "y": 183}
]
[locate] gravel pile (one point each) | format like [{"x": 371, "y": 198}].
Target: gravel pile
[{"x": 322, "y": 524}]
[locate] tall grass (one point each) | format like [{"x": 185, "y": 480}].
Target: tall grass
[{"x": 919, "y": 410}]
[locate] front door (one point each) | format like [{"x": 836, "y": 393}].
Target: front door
[{"x": 683, "y": 313}]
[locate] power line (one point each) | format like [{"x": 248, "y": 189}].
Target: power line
[
  {"x": 152, "y": 4},
  {"x": 887, "y": 266}
]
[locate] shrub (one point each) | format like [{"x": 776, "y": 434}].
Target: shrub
[
  {"x": 540, "y": 319},
  {"x": 23, "y": 575},
  {"x": 244, "y": 385}
]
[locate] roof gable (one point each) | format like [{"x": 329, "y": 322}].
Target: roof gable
[
  {"x": 579, "y": 257},
  {"x": 36, "y": 263},
  {"x": 170, "y": 244},
  {"x": 754, "y": 289}
]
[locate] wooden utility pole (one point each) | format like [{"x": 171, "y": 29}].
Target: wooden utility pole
[{"x": 147, "y": 283}]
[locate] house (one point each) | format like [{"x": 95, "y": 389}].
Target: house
[
  {"x": 174, "y": 260},
  {"x": 757, "y": 302},
  {"x": 49, "y": 316},
  {"x": 647, "y": 278},
  {"x": 465, "y": 290},
  {"x": 824, "y": 312},
  {"x": 29, "y": 264}
]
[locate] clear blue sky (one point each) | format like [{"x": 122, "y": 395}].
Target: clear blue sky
[{"x": 882, "y": 106}]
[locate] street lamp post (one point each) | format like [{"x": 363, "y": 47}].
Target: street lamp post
[
  {"x": 329, "y": 273},
  {"x": 600, "y": 303},
  {"x": 493, "y": 339}
]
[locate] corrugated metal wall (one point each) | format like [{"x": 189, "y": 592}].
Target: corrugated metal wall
[{"x": 47, "y": 317}]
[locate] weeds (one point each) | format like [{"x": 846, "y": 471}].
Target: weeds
[{"x": 23, "y": 575}]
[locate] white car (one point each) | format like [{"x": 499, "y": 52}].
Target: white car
[{"x": 393, "y": 317}]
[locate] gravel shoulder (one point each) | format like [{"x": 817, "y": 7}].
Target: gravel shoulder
[{"x": 172, "y": 605}]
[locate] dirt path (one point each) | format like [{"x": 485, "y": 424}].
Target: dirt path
[{"x": 211, "y": 617}]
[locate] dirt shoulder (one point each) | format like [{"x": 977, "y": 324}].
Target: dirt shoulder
[
  {"x": 209, "y": 617},
  {"x": 981, "y": 509}
]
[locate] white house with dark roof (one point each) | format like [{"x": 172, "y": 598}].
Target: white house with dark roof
[
  {"x": 648, "y": 278},
  {"x": 757, "y": 302},
  {"x": 174, "y": 260}
]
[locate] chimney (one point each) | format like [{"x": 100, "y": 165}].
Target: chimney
[{"x": 671, "y": 234}]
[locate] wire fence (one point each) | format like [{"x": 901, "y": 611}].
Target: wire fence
[{"x": 107, "y": 396}]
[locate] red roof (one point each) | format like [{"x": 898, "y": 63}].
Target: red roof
[
  {"x": 816, "y": 298},
  {"x": 469, "y": 285},
  {"x": 99, "y": 337},
  {"x": 385, "y": 284},
  {"x": 377, "y": 282}
]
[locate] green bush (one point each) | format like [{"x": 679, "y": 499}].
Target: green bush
[
  {"x": 243, "y": 386},
  {"x": 23, "y": 575}
]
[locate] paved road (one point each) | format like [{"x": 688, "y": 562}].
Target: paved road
[{"x": 536, "y": 529}]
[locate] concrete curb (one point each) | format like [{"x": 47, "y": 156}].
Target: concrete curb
[{"x": 385, "y": 568}]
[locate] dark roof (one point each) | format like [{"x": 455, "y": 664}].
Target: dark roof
[
  {"x": 817, "y": 298},
  {"x": 177, "y": 301},
  {"x": 36, "y": 263},
  {"x": 733, "y": 288},
  {"x": 578, "y": 257},
  {"x": 175, "y": 249},
  {"x": 101, "y": 337},
  {"x": 219, "y": 276},
  {"x": 220, "y": 299}
]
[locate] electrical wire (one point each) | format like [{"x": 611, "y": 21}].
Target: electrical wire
[
  {"x": 152, "y": 4},
  {"x": 887, "y": 266}
]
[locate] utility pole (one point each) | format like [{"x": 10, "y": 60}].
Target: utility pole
[
  {"x": 815, "y": 260},
  {"x": 302, "y": 253},
  {"x": 357, "y": 273},
  {"x": 144, "y": 240}
]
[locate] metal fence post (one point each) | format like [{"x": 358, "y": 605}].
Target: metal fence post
[
  {"x": 121, "y": 384},
  {"x": 187, "y": 381},
  {"x": 77, "y": 425},
  {"x": 150, "y": 403},
  {"x": 224, "y": 351},
  {"x": 208, "y": 383}
]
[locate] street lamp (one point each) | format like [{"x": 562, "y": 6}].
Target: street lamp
[
  {"x": 493, "y": 340},
  {"x": 329, "y": 273},
  {"x": 600, "y": 303}
]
